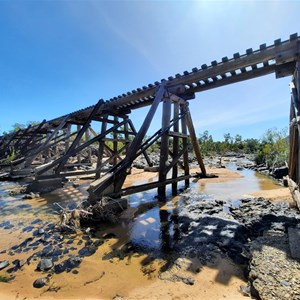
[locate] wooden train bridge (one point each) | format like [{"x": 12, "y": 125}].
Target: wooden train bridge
[{"x": 61, "y": 147}]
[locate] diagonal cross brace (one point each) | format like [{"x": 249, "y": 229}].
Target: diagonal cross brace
[
  {"x": 118, "y": 174},
  {"x": 79, "y": 136},
  {"x": 33, "y": 155}
]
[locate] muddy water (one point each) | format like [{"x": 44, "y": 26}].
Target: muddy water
[
  {"x": 115, "y": 259},
  {"x": 249, "y": 182},
  {"x": 149, "y": 228}
]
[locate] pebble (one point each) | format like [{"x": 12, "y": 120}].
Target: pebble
[
  {"x": 40, "y": 282},
  {"x": 4, "y": 264},
  {"x": 45, "y": 264}
]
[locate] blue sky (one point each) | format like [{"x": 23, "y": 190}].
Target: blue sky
[{"x": 60, "y": 56}]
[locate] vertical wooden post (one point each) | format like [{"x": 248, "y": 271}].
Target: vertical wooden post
[
  {"x": 87, "y": 138},
  {"x": 67, "y": 137},
  {"x": 80, "y": 132},
  {"x": 296, "y": 96},
  {"x": 136, "y": 143},
  {"x": 78, "y": 143},
  {"x": 47, "y": 151},
  {"x": 21, "y": 137},
  {"x": 56, "y": 149},
  {"x": 32, "y": 156},
  {"x": 194, "y": 141},
  {"x": 183, "y": 108},
  {"x": 115, "y": 142},
  {"x": 292, "y": 144},
  {"x": 101, "y": 147},
  {"x": 175, "y": 147},
  {"x": 126, "y": 135},
  {"x": 164, "y": 147}
]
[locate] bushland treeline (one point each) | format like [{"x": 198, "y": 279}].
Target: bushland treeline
[{"x": 271, "y": 149}]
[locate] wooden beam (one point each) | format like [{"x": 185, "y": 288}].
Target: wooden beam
[
  {"x": 101, "y": 147},
  {"x": 120, "y": 170},
  {"x": 292, "y": 143},
  {"x": 148, "y": 186},
  {"x": 183, "y": 109},
  {"x": 178, "y": 134},
  {"x": 137, "y": 141},
  {"x": 164, "y": 147},
  {"x": 32, "y": 136},
  {"x": 194, "y": 141},
  {"x": 71, "y": 149},
  {"x": 115, "y": 141},
  {"x": 41, "y": 148},
  {"x": 148, "y": 160},
  {"x": 79, "y": 148},
  {"x": 175, "y": 146}
]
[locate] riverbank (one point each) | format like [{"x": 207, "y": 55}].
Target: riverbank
[{"x": 193, "y": 260}]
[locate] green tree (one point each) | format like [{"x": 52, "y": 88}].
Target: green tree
[
  {"x": 206, "y": 143},
  {"x": 274, "y": 148}
]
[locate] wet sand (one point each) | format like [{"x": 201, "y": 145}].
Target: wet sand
[{"x": 134, "y": 276}]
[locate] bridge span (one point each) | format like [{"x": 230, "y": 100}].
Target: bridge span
[{"x": 62, "y": 147}]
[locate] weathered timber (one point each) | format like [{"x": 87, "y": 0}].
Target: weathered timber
[
  {"x": 164, "y": 147},
  {"x": 132, "y": 127},
  {"x": 81, "y": 132},
  {"x": 101, "y": 147},
  {"x": 121, "y": 169},
  {"x": 282, "y": 58},
  {"x": 174, "y": 164},
  {"x": 32, "y": 156},
  {"x": 79, "y": 148},
  {"x": 148, "y": 186},
  {"x": 194, "y": 141},
  {"x": 183, "y": 109}
]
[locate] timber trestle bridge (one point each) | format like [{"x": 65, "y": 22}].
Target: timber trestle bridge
[{"x": 62, "y": 147}]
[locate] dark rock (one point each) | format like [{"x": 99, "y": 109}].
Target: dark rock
[
  {"x": 45, "y": 264},
  {"x": 27, "y": 229},
  {"x": 109, "y": 236},
  {"x": 278, "y": 173},
  {"x": 37, "y": 221},
  {"x": 22, "y": 262},
  {"x": 4, "y": 264},
  {"x": 47, "y": 251},
  {"x": 40, "y": 282},
  {"x": 67, "y": 265},
  {"x": 87, "y": 251}
]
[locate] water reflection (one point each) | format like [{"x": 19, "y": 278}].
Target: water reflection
[
  {"x": 250, "y": 182},
  {"x": 157, "y": 229}
]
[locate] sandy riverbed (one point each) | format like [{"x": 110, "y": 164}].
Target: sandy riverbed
[{"x": 135, "y": 276}]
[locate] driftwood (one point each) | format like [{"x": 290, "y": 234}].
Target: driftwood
[
  {"x": 105, "y": 210},
  {"x": 70, "y": 219}
]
